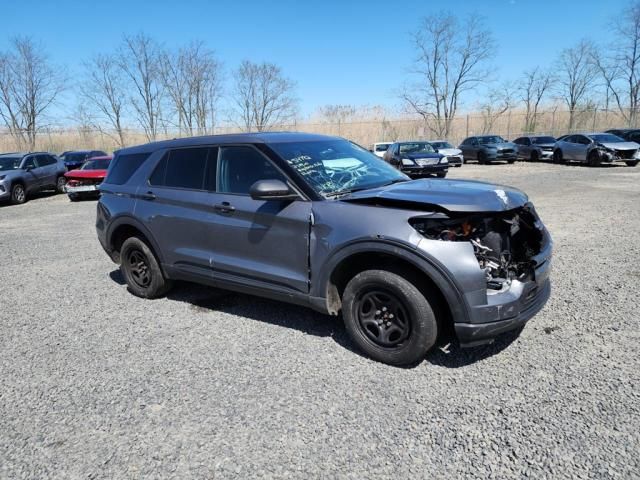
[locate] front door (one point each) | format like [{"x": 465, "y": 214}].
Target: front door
[
  {"x": 34, "y": 175},
  {"x": 264, "y": 243}
]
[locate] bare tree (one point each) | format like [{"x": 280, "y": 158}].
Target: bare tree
[
  {"x": 104, "y": 89},
  {"x": 497, "y": 102},
  {"x": 263, "y": 97},
  {"x": 29, "y": 85},
  {"x": 192, "y": 78},
  {"x": 139, "y": 59},
  {"x": 577, "y": 74},
  {"x": 620, "y": 67},
  {"x": 451, "y": 58},
  {"x": 533, "y": 88}
]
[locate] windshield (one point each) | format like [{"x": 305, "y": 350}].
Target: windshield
[
  {"x": 543, "y": 140},
  {"x": 9, "y": 163},
  {"x": 382, "y": 147},
  {"x": 606, "y": 138},
  {"x": 491, "y": 139},
  {"x": 441, "y": 145},
  {"x": 74, "y": 157},
  {"x": 417, "y": 147},
  {"x": 334, "y": 167},
  {"x": 101, "y": 164}
]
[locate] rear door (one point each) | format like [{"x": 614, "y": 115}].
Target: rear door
[
  {"x": 256, "y": 242},
  {"x": 49, "y": 169},
  {"x": 177, "y": 207}
]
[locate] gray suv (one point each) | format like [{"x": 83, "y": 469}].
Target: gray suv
[
  {"x": 321, "y": 222},
  {"x": 22, "y": 174}
]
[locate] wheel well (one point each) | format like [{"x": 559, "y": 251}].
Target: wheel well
[
  {"x": 120, "y": 234},
  {"x": 359, "y": 262}
]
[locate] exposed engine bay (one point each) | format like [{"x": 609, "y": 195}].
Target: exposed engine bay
[{"x": 503, "y": 242}]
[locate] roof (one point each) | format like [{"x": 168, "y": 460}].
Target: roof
[
  {"x": 21, "y": 154},
  {"x": 257, "y": 137},
  {"x": 102, "y": 157}
]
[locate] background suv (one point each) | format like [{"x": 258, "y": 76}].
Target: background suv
[
  {"x": 488, "y": 148},
  {"x": 76, "y": 158},
  {"x": 22, "y": 174},
  {"x": 417, "y": 159},
  {"x": 321, "y": 222},
  {"x": 535, "y": 148}
]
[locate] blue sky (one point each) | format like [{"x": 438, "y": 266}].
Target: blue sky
[{"x": 339, "y": 52}]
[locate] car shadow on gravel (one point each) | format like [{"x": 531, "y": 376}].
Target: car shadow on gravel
[{"x": 202, "y": 298}]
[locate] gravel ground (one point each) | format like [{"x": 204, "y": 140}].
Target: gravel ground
[{"x": 97, "y": 383}]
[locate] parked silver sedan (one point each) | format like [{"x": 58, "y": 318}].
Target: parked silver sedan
[{"x": 595, "y": 149}]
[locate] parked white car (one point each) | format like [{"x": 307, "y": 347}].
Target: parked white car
[
  {"x": 380, "y": 148},
  {"x": 453, "y": 154}
]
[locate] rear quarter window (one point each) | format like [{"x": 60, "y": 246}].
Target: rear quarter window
[{"x": 124, "y": 166}]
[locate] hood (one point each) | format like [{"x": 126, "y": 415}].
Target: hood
[
  {"x": 86, "y": 174},
  {"x": 14, "y": 172},
  {"x": 414, "y": 156},
  {"x": 449, "y": 151},
  {"x": 444, "y": 195},
  {"x": 621, "y": 145},
  {"x": 500, "y": 146}
]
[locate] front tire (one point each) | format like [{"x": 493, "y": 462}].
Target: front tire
[
  {"x": 482, "y": 158},
  {"x": 141, "y": 270},
  {"x": 60, "y": 184},
  {"x": 388, "y": 317},
  {"x": 631, "y": 163},
  {"x": 18, "y": 194},
  {"x": 534, "y": 156},
  {"x": 441, "y": 174},
  {"x": 557, "y": 157},
  {"x": 593, "y": 159}
]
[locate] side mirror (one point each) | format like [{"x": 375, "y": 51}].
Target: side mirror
[
  {"x": 271, "y": 190},
  {"x": 28, "y": 168}
]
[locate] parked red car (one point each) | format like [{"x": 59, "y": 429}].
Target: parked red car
[{"x": 83, "y": 182}]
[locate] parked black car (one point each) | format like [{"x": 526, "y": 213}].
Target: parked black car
[
  {"x": 488, "y": 148},
  {"x": 321, "y": 222},
  {"x": 417, "y": 159},
  {"x": 535, "y": 147},
  {"x": 628, "y": 134},
  {"x": 75, "y": 158}
]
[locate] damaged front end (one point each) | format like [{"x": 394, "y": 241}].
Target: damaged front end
[{"x": 505, "y": 244}]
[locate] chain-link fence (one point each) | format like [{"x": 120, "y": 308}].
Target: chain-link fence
[{"x": 509, "y": 125}]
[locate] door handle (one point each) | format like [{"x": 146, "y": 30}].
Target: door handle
[
  {"x": 224, "y": 207},
  {"x": 148, "y": 196}
]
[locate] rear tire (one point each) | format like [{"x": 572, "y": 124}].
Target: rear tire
[
  {"x": 141, "y": 270},
  {"x": 18, "y": 194},
  {"x": 388, "y": 317},
  {"x": 631, "y": 163},
  {"x": 511, "y": 162}
]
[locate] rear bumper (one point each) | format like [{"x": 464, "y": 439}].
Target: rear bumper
[{"x": 471, "y": 334}]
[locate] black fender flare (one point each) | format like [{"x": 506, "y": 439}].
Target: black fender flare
[
  {"x": 419, "y": 259},
  {"x": 127, "y": 220}
]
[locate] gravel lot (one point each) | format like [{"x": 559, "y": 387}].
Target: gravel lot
[{"x": 97, "y": 383}]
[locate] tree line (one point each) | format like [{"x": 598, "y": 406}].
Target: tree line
[{"x": 164, "y": 89}]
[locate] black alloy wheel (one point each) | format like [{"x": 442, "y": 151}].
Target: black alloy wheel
[
  {"x": 138, "y": 266},
  {"x": 383, "y": 318}
]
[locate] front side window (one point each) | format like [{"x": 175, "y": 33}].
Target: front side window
[
  {"x": 382, "y": 147},
  {"x": 240, "y": 167},
  {"x": 184, "y": 168},
  {"x": 335, "y": 167},
  {"x": 30, "y": 163}
]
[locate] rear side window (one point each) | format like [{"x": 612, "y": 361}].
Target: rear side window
[
  {"x": 186, "y": 168},
  {"x": 124, "y": 166}
]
